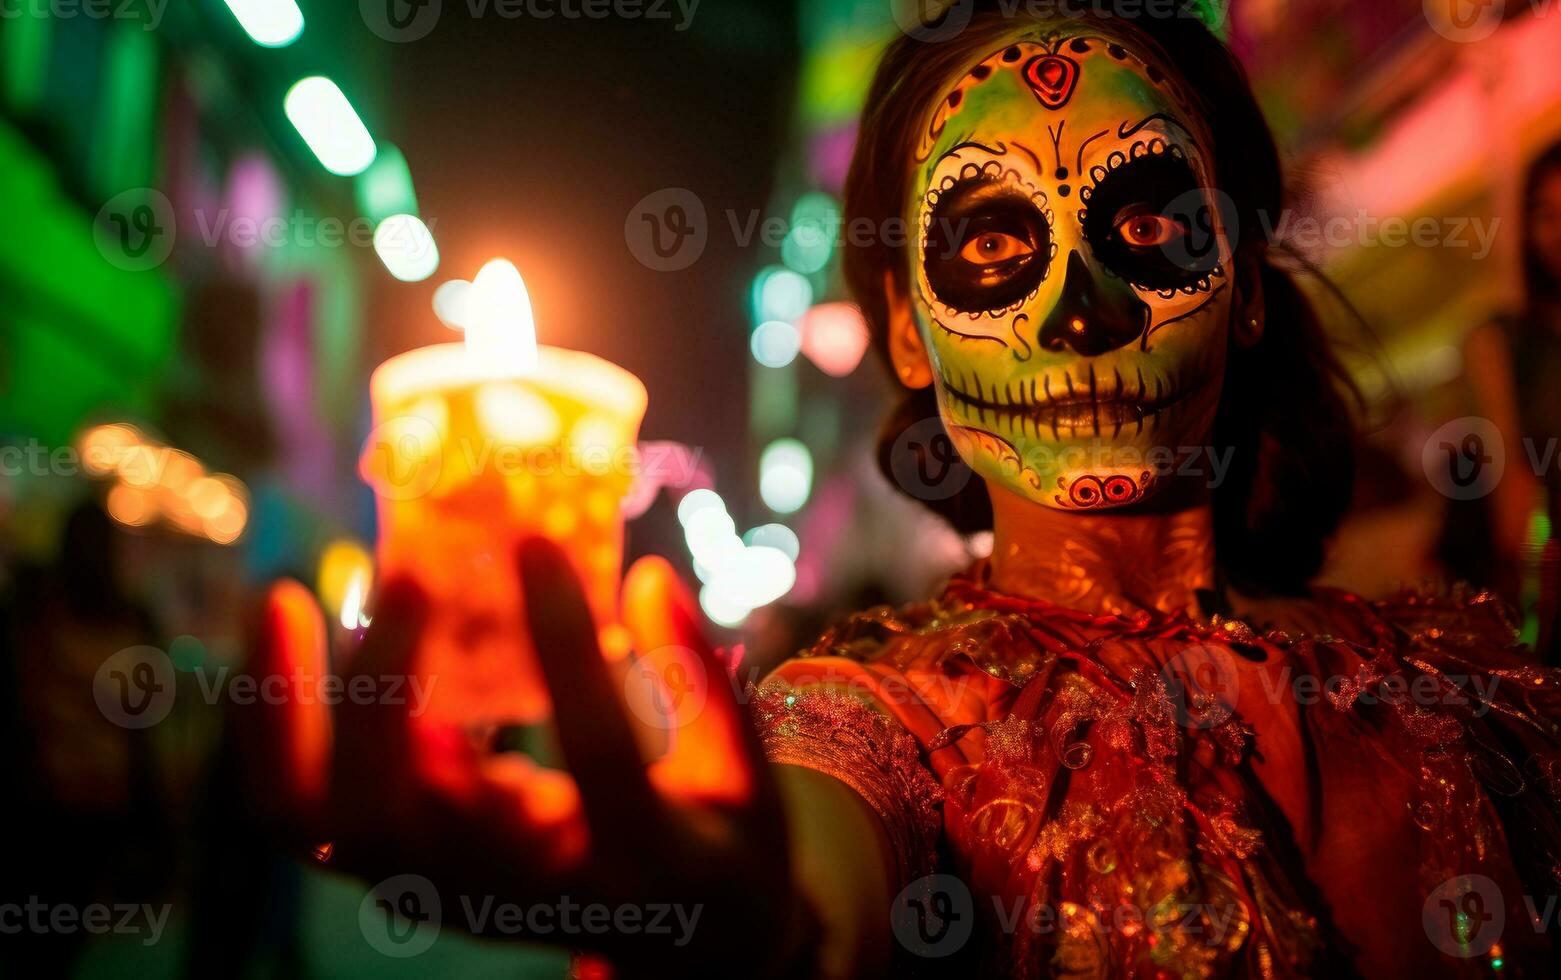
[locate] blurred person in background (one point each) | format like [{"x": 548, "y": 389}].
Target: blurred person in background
[
  {"x": 90, "y": 825},
  {"x": 1512, "y": 366}
]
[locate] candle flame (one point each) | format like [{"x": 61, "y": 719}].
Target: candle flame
[
  {"x": 501, "y": 334},
  {"x": 352, "y": 603}
]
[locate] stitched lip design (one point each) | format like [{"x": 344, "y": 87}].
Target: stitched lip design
[{"x": 1087, "y": 405}]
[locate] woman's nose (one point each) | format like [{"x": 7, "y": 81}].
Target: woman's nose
[{"x": 1093, "y": 317}]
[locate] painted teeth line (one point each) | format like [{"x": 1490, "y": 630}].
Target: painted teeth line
[
  {"x": 1009, "y": 405},
  {"x": 1029, "y": 393}
]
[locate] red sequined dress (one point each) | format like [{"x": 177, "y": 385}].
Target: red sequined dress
[{"x": 1156, "y": 796}]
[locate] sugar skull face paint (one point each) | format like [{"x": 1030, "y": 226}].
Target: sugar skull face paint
[{"x": 1070, "y": 281}]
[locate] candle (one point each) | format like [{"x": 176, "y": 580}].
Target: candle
[{"x": 477, "y": 446}]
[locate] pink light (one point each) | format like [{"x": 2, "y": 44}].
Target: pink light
[
  {"x": 254, "y": 200},
  {"x": 834, "y": 337}
]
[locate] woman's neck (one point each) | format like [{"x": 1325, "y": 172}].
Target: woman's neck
[{"x": 1104, "y": 562}]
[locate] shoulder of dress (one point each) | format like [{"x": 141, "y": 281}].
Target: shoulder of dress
[
  {"x": 886, "y": 632},
  {"x": 952, "y": 632},
  {"x": 1448, "y": 616}
]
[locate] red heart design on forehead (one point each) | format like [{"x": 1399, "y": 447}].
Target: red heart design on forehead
[{"x": 1052, "y": 78}]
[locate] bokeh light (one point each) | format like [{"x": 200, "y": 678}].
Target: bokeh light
[
  {"x": 785, "y": 475},
  {"x": 775, "y": 343}
]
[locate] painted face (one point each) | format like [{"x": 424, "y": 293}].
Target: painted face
[{"x": 1070, "y": 284}]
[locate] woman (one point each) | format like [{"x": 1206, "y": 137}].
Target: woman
[
  {"x": 1510, "y": 366},
  {"x": 1130, "y": 743}
]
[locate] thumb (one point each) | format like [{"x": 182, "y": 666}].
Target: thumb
[{"x": 284, "y": 739}]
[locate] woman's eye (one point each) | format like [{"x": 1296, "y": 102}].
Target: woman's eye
[
  {"x": 1149, "y": 230},
  {"x": 994, "y": 246},
  {"x": 988, "y": 246},
  {"x": 1140, "y": 225}
]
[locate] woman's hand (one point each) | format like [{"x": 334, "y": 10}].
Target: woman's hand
[{"x": 700, "y": 827}]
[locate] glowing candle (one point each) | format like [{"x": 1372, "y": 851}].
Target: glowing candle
[{"x": 477, "y": 446}]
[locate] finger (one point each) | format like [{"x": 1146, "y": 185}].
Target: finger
[
  {"x": 658, "y": 608},
  {"x": 714, "y": 754},
  {"x": 657, "y": 612},
  {"x": 597, "y": 742},
  {"x": 380, "y": 746},
  {"x": 284, "y": 735}
]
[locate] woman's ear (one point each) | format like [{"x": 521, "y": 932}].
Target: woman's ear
[
  {"x": 906, "y": 348},
  {"x": 1247, "y": 310}
]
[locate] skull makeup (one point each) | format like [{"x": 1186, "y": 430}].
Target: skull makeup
[{"x": 1069, "y": 288}]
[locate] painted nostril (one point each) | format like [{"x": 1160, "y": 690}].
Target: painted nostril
[{"x": 1092, "y": 317}]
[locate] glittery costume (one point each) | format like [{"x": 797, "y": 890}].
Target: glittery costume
[{"x": 1156, "y": 796}]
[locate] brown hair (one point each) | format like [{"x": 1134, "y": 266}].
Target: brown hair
[{"x": 1283, "y": 409}]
